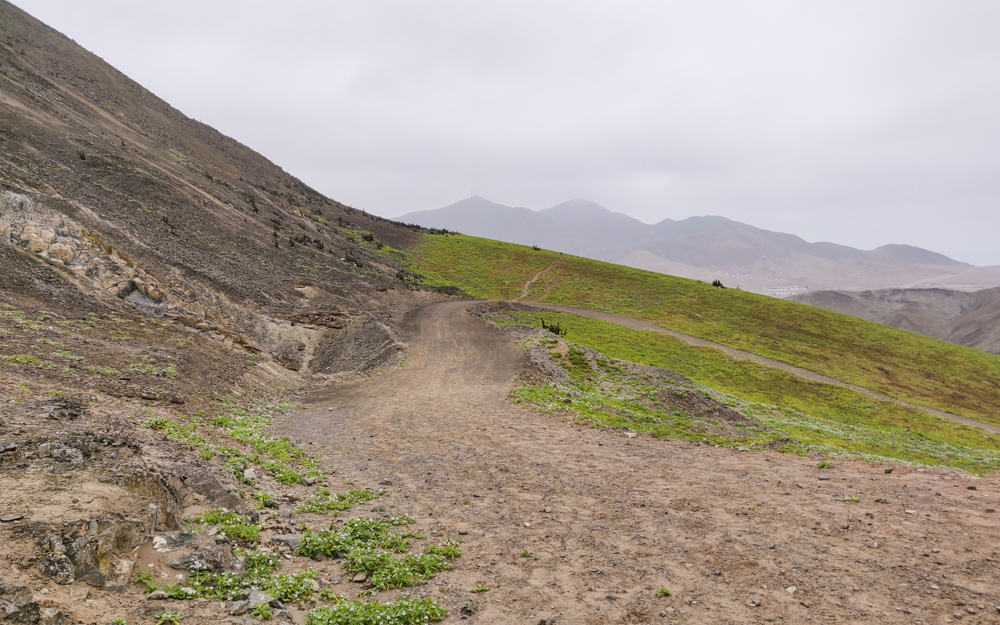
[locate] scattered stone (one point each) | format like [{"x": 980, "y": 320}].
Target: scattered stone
[
  {"x": 7, "y": 446},
  {"x": 804, "y": 604},
  {"x": 360, "y": 577},
  {"x": 249, "y": 474},
  {"x": 51, "y": 616},
  {"x": 258, "y": 597},
  {"x": 386, "y": 482},
  {"x": 990, "y": 510},
  {"x": 753, "y": 603},
  {"x": 157, "y": 595},
  {"x": 791, "y": 590},
  {"x": 910, "y": 511},
  {"x": 742, "y": 449},
  {"x": 888, "y": 471},
  {"x": 307, "y": 481},
  {"x": 881, "y": 500},
  {"x": 292, "y": 541},
  {"x": 611, "y": 598},
  {"x": 970, "y": 610},
  {"x": 823, "y": 478},
  {"x": 45, "y": 450},
  {"x": 282, "y": 615},
  {"x": 629, "y": 434},
  {"x": 8, "y": 518},
  {"x": 958, "y": 615},
  {"x": 548, "y": 510},
  {"x": 238, "y": 608}
]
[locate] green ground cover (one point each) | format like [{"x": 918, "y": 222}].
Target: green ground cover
[
  {"x": 825, "y": 417},
  {"x": 908, "y": 366}
]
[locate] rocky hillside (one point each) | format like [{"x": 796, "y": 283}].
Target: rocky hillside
[
  {"x": 164, "y": 290},
  {"x": 971, "y": 319}
]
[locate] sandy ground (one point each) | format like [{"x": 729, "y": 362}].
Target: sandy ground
[{"x": 736, "y": 537}]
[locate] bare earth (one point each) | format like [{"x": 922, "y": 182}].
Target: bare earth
[{"x": 735, "y": 537}]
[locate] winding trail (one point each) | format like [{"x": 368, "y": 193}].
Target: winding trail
[
  {"x": 608, "y": 520},
  {"x": 527, "y": 285},
  {"x": 806, "y": 374}
]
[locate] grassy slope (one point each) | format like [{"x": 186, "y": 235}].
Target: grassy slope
[
  {"x": 834, "y": 417},
  {"x": 902, "y": 364}
]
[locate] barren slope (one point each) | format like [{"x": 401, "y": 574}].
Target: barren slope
[{"x": 971, "y": 319}]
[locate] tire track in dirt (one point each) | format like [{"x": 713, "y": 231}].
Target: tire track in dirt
[
  {"x": 805, "y": 374},
  {"x": 608, "y": 520}
]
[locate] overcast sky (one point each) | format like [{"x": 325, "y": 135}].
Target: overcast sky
[{"x": 860, "y": 122}]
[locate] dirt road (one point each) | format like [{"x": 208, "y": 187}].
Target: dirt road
[{"x": 607, "y": 520}]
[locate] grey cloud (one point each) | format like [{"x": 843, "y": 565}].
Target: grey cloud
[{"x": 858, "y": 122}]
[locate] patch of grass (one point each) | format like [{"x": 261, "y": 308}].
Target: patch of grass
[
  {"x": 368, "y": 545},
  {"x": 399, "y": 612},
  {"x": 820, "y": 416},
  {"x": 902, "y": 364},
  {"x": 166, "y": 617},
  {"x": 448, "y": 549},
  {"x": 262, "y": 612},
  {"x": 527, "y": 554},
  {"x": 823, "y": 465},
  {"x": 264, "y": 500},
  {"x": 325, "y": 501},
  {"x": 232, "y": 524},
  {"x": 852, "y": 499},
  {"x": 103, "y": 370},
  {"x": 480, "y": 588},
  {"x": 23, "y": 359},
  {"x": 662, "y": 592}
]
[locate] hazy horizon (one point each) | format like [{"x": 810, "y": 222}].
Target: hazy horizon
[{"x": 857, "y": 123}]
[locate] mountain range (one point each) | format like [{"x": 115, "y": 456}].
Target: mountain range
[{"x": 708, "y": 248}]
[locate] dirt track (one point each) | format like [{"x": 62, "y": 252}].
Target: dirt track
[{"x": 609, "y": 520}]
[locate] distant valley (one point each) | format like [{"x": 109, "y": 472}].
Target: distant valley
[
  {"x": 971, "y": 319},
  {"x": 709, "y": 248}
]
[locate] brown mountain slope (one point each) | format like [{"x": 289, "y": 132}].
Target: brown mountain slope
[
  {"x": 971, "y": 319},
  {"x": 146, "y": 204}
]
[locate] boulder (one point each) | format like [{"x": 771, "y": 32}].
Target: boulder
[
  {"x": 292, "y": 541},
  {"x": 195, "y": 551}
]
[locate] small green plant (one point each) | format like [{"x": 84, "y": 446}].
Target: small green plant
[
  {"x": 232, "y": 524},
  {"x": 752, "y": 508},
  {"x": 167, "y": 617},
  {"x": 823, "y": 465},
  {"x": 23, "y": 359},
  {"x": 262, "y": 612},
  {"x": 662, "y": 592},
  {"x": 325, "y": 501},
  {"x": 449, "y": 549},
  {"x": 206, "y": 454},
  {"x": 399, "y": 612},
  {"x": 852, "y": 499},
  {"x": 264, "y": 500},
  {"x": 119, "y": 621},
  {"x": 718, "y": 283},
  {"x": 480, "y": 588},
  {"x": 526, "y": 554}
]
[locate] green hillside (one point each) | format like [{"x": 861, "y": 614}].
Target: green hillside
[{"x": 908, "y": 366}]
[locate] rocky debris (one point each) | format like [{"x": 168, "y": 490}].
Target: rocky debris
[
  {"x": 17, "y": 605},
  {"x": 196, "y": 551},
  {"x": 259, "y": 597},
  {"x": 238, "y": 608},
  {"x": 249, "y": 474},
  {"x": 8, "y": 518},
  {"x": 51, "y": 616},
  {"x": 57, "y": 565},
  {"x": 291, "y": 541},
  {"x": 359, "y": 577},
  {"x": 95, "y": 555},
  {"x": 204, "y": 483}
]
